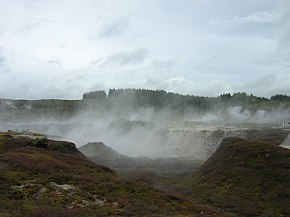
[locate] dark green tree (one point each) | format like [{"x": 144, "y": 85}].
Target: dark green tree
[{"x": 98, "y": 94}]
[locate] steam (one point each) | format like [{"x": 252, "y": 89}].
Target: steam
[
  {"x": 237, "y": 114},
  {"x": 144, "y": 131}
]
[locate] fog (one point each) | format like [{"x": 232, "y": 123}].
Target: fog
[{"x": 144, "y": 131}]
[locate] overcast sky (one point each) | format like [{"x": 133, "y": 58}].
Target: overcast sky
[{"x": 63, "y": 48}]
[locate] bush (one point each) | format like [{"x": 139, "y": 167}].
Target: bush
[{"x": 40, "y": 142}]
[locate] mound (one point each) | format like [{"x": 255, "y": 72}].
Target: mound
[
  {"x": 40, "y": 177},
  {"x": 102, "y": 154},
  {"x": 249, "y": 178},
  {"x": 99, "y": 153}
]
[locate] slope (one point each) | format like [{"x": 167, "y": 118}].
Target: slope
[
  {"x": 41, "y": 177},
  {"x": 249, "y": 178},
  {"x": 99, "y": 153}
]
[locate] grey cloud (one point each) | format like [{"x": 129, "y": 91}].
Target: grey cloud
[
  {"x": 96, "y": 61},
  {"x": 35, "y": 5},
  {"x": 124, "y": 58},
  {"x": 186, "y": 86},
  {"x": 268, "y": 85},
  {"x": 280, "y": 58},
  {"x": 259, "y": 17},
  {"x": 261, "y": 23},
  {"x": 97, "y": 86},
  {"x": 113, "y": 29},
  {"x": 29, "y": 27},
  {"x": 284, "y": 37},
  {"x": 55, "y": 61},
  {"x": 262, "y": 82},
  {"x": 163, "y": 63},
  {"x": 153, "y": 83},
  {"x": 2, "y": 58}
]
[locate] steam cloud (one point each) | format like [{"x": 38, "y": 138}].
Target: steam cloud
[{"x": 146, "y": 131}]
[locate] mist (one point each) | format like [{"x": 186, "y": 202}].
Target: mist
[{"x": 143, "y": 131}]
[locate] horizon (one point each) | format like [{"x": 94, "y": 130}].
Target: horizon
[{"x": 107, "y": 94}]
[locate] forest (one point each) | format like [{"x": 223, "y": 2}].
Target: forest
[{"x": 162, "y": 99}]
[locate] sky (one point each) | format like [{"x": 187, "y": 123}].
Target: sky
[{"x": 63, "y": 48}]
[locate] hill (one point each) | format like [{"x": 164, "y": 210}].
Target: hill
[
  {"x": 151, "y": 171},
  {"x": 41, "y": 177},
  {"x": 249, "y": 178}
]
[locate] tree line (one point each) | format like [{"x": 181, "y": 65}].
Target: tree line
[{"x": 162, "y": 98}]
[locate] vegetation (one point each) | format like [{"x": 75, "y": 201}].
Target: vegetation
[
  {"x": 57, "y": 180},
  {"x": 281, "y": 97},
  {"x": 40, "y": 177},
  {"x": 98, "y": 94},
  {"x": 128, "y": 99},
  {"x": 249, "y": 178},
  {"x": 161, "y": 98}
]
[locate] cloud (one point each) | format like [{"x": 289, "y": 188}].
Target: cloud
[
  {"x": 2, "y": 58},
  {"x": 29, "y": 27},
  {"x": 35, "y": 5},
  {"x": 183, "y": 85},
  {"x": 55, "y": 61},
  {"x": 124, "y": 58},
  {"x": 164, "y": 63},
  {"x": 280, "y": 58},
  {"x": 259, "y": 17},
  {"x": 267, "y": 85},
  {"x": 181, "y": 51},
  {"x": 264, "y": 81},
  {"x": 39, "y": 84},
  {"x": 284, "y": 36},
  {"x": 113, "y": 29}
]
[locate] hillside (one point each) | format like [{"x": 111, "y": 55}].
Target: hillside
[
  {"x": 41, "y": 177},
  {"x": 137, "y": 167},
  {"x": 249, "y": 178}
]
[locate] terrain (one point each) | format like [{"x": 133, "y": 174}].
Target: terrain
[
  {"x": 183, "y": 157},
  {"x": 243, "y": 177},
  {"x": 41, "y": 177},
  {"x": 135, "y": 152},
  {"x": 249, "y": 178},
  {"x": 148, "y": 123},
  {"x": 139, "y": 168}
]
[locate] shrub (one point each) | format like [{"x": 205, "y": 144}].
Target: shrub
[{"x": 40, "y": 142}]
